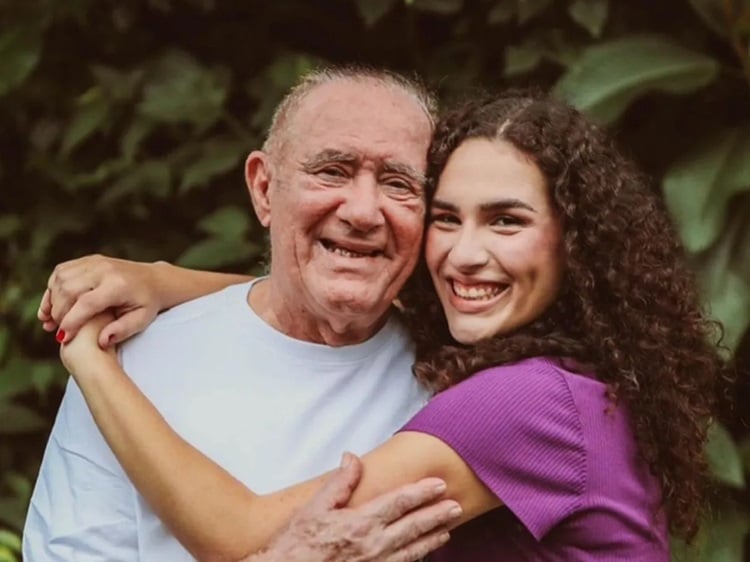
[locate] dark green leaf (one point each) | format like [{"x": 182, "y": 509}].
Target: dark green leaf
[
  {"x": 372, "y": 11},
  {"x": 724, "y": 457},
  {"x": 218, "y": 252},
  {"x": 227, "y": 223},
  {"x": 727, "y": 292},
  {"x": 275, "y": 81},
  {"x": 443, "y": 7},
  {"x": 522, "y": 58},
  {"x": 118, "y": 85},
  {"x": 4, "y": 341},
  {"x": 502, "y": 12},
  {"x": 15, "y": 419},
  {"x": 698, "y": 187},
  {"x": 217, "y": 157},
  {"x": 20, "y": 51},
  {"x": 529, "y": 9},
  {"x": 93, "y": 113},
  {"x": 151, "y": 178},
  {"x": 9, "y": 225},
  {"x": 15, "y": 378},
  {"x": 10, "y": 540},
  {"x": 130, "y": 142},
  {"x": 590, "y": 14},
  {"x": 181, "y": 90},
  {"x": 712, "y": 14},
  {"x": 609, "y": 76}
]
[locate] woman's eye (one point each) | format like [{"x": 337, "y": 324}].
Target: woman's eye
[
  {"x": 506, "y": 220},
  {"x": 444, "y": 219}
]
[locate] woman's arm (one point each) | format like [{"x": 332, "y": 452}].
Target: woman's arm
[
  {"x": 208, "y": 510},
  {"x": 136, "y": 292}
]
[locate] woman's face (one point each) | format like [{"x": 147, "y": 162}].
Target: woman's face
[{"x": 494, "y": 241}]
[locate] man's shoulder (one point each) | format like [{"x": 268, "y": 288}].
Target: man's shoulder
[
  {"x": 196, "y": 316},
  {"x": 203, "y": 308}
]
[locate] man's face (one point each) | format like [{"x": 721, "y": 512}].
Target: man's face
[{"x": 347, "y": 201}]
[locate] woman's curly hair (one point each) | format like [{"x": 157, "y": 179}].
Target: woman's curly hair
[{"x": 628, "y": 306}]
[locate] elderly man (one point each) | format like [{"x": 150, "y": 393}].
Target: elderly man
[{"x": 271, "y": 379}]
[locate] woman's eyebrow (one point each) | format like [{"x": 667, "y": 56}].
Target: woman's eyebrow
[
  {"x": 504, "y": 204},
  {"x": 487, "y": 207}
]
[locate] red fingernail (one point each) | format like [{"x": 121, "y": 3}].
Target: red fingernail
[{"x": 60, "y": 336}]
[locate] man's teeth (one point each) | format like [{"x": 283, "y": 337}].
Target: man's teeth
[
  {"x": 347, "y": 253},
  {"x": 477, "y": 292}
]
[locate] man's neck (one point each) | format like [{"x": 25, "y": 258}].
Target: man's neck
[{"x": 300, "y": 324}]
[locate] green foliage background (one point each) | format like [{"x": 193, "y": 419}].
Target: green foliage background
[{"x": 124, "y": 125}]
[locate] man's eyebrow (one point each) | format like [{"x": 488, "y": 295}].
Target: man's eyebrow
[
  {"x": 487, "y": 207},
  {"x": 329, "y": 156},
  {"x": 405, "y": 170}
]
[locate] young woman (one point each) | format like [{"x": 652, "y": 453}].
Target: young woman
[{"x": 554, "y": 317}]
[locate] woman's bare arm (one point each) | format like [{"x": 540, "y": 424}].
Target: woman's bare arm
[
  {"x": 210, "y": 512},
  {"x": 134, "y": 291}
]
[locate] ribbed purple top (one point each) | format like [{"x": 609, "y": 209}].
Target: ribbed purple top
[{"x": 560, "y": 457}]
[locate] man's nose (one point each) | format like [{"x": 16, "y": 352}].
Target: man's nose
[{"x": 361, "y": 208}]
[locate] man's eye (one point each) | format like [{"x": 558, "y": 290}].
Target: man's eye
[
  {"x": 399, "y": 184},
  {"x": 332, "y": 171}
]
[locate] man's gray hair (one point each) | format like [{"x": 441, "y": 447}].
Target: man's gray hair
[{"x": 410, "y": 85}]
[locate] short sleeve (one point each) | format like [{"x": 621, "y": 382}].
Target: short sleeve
[{"x": 517, "y": 427}]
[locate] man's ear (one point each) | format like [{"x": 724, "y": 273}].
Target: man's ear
[{"x": 258, "y": 174}]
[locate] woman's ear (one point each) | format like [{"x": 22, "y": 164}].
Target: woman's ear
[{"x": 258, "y": 176}]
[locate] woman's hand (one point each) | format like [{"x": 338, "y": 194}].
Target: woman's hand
[
  {"x": 83, "y": 357},
  {"x": 79, "y": 289},
  {"x": 400, "y": 526}
]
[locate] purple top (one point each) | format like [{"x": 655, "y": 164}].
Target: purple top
[{"x": 561, "y": 458}]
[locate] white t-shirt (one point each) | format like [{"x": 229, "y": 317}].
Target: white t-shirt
[{"x": 270, "y": 409}]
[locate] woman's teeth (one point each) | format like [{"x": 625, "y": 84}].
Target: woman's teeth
[{"x": 477, "y": 292}]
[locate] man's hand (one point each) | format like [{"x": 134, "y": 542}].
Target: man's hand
[
  {"x": 80, "y": 289},
  {"x": 400, "y": 526}
]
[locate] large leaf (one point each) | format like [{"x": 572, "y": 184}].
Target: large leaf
[
  {"x": 93, "y": 113},
  {"x": 275, "y": 81},
  {"x": 217, "y": 157},
  {"x": 522, "y": 58},
  {"x": 502, "y": 12},
  {"x": 20, "y": 51},
  {"x": 529, "y": 9},
  {"x": 699, "y": 186},
  {"x": 727, "y": 291},
  {"x": 724, "y": 457},
  {"x": 15, "y": 418},
  {"x": 179, "y": 89},
  {"x": 713, "y": 15},
  {"x": 152, "y": 178},
  {"x": 444, "y": 7},
  {"x": 609, "y": 76},
  {"x": 590, "y": 14},
  {"x": 372, "y": 11},
  {"x": 218, "y": 252},
  {"x": 228, "y": 223}
]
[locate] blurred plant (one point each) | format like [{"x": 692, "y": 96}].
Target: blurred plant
[{"x": 124, "y": 125}]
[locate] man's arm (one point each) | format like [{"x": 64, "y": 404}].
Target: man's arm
[{"x": 135, "y": 292}]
